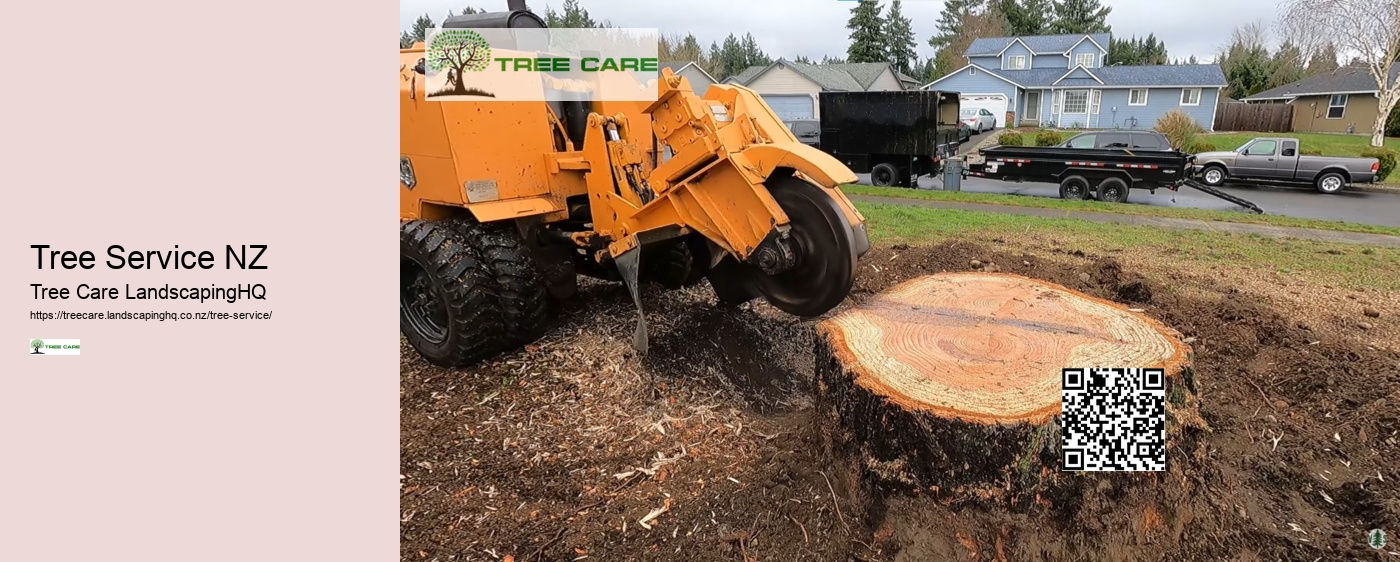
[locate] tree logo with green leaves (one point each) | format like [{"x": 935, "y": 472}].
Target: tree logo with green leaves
[
  {"x": 457, "y": 51},
  {"x": 1376, "y": 538},
  {"x": 36, "y": 344}
]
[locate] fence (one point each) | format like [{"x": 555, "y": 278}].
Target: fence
[{"x": 1262, "y": 117}]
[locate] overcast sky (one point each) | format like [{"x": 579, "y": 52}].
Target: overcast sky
[{"x": 789, "y": 28}]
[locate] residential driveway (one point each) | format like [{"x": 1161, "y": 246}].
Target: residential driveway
[{"x": 1352, "y": 206}]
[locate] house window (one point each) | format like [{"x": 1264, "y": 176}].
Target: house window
[
  {"x": 1137, "y": 96},
  {"x": 1085, "y": 60},
  {"x": 1094, "y": 102},
  {"x": 1191, "y": 96},
  {"x": 1336, "y": 106},
  {"x": 1017, "y": 62},
  {"x": 1076, "y": 101}
]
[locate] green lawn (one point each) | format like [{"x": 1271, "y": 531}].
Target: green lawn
[
  {"x": 1329, "y": 143},
  {"x": 1099, "y": 206},
  {"x": 1342, "y": 264}
]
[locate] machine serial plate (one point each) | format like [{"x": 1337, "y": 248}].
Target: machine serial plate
[{"x": 479, "y": 191}]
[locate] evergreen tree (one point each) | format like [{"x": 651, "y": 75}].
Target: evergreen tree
[
  {"x": 1246, "y": 62},
  {"x": 421, "y": 27},
  {"x": 1137, "y": 51},
  {"x": 828, "y": 59},
  {"x": 574, "y": 15},
  {"x": 950, "y": 20},
  {"x": 753, "y": 55},
  {"x": 1026, "y": 17},
  {"x": 1286, "y": 66},
  {"x": 1324, "y": 60},
  {"x": 899, "y": 39},
  {"x": 867, "y": 42},
  {"x": 1080, "y": 16}
]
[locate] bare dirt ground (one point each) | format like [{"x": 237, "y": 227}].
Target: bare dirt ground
[{"x": 710, "y": 448}]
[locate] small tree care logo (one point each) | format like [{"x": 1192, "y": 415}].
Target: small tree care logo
[
  {"x": 50, "y": 346},
  {"x": 1376, "y": 538},
  {"x": 456, "y": 51}
]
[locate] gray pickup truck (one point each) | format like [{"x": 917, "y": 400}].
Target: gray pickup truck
[{"x": 1277, "y": 159}]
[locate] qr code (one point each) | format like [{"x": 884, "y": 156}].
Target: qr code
[{"x": 1113, "y": 419}]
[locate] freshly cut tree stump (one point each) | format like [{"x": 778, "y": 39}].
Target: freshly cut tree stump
[{"x": 953, "y": 381}]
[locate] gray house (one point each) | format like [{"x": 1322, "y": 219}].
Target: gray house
[
  {"x": 792, "y": 88},
  {"x": 699, "y": 79},
  {"x": 1067, "y": 81}
]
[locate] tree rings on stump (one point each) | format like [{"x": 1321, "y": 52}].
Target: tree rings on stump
[{"x": 952, "y": 382}]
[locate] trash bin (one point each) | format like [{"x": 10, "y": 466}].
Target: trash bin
[{"x": 952, "y": 174}]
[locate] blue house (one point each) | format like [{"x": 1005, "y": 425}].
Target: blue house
[{"x": 1067, "y": 81}]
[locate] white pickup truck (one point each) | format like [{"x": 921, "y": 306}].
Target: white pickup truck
[{"x": 1277, "y": 159}]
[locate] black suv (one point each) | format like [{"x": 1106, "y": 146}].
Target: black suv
[
  {"x": 1134, "y": 140},
  {"x": 809, "y": 131}
]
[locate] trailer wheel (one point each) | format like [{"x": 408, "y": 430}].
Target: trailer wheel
[
  {"x": 1330, "y": 182},
  {"x": 519, "y": 287},
  {"x": 1074, "y": 188},
  {"x": 1113, "y": 190},
  {"x": 884, "y": 175},
  {"x": 446, "y": 309}
]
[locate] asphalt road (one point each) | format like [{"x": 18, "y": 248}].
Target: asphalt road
[{"x": 1365, "y": 207}]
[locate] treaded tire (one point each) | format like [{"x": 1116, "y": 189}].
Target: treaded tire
[
  {"x": 673, "y": 265},
  {"x": 1113, "y": 190},
  {"x": 1207, "y": 175},
  {"x": 518, "y": 286},
  {"x": 1330, "y": 182},
  {"x": 446, "y": 309},
  {"x": 884, "y": 175},
  {"x": 1074, "y": 188}
]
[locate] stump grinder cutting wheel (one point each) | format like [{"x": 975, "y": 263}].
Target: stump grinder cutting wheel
[{"x": 502, "y": 203}]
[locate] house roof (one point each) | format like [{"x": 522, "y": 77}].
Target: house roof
[
  {"x": 1150, "y": 75},
  {"x": 1038, "y": 44},
  {"x": 678, "y": 65},
  {"x": 843, "y": 77},
  {"x": 745, "y": 75},
  {"x": 1350, "y": 79}
]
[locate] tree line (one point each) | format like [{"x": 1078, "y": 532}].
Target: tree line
[{"x": 1313, "y": 33}]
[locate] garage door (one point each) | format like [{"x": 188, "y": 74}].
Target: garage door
[
  {"x": 790, "y": 107},
  {"x": 995, "y": 103}
]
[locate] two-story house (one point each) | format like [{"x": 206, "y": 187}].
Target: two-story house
[{"x": 1068, "y": 81}]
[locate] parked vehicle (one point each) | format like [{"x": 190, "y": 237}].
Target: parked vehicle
[
  {"x": 979, "y": 119},
  {"x": 964, "y": 132},
  {"x": 1133, "y": 140},
  {"x": 1277, "y": 159},
  {"x": 893, "y": 136},
  {"x": 809, "y": 131},
  {"x": 1105, "y": 173}
]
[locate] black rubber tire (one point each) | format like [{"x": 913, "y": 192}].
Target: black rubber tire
[
  {"x": 1074, "y": 188},
  {"x": 439, "y": 269},
  {"x": 1327, "y": 180},
  {"x": 884, "y": 175},
  {"x": 518, "y": 286},
  {"x": 1205, "y": 173},
  {"x": 672, "y": 265},
  {"x": 1112, "y": 190},
  {"x": 822, "y": 237}
]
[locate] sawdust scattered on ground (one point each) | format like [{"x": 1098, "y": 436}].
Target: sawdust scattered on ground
[{"x": 708, "y": 448}]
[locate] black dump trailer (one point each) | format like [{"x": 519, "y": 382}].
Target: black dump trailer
[
  {"x": 1103, "y": 173},
  {"x": 893, "y": 136}
]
